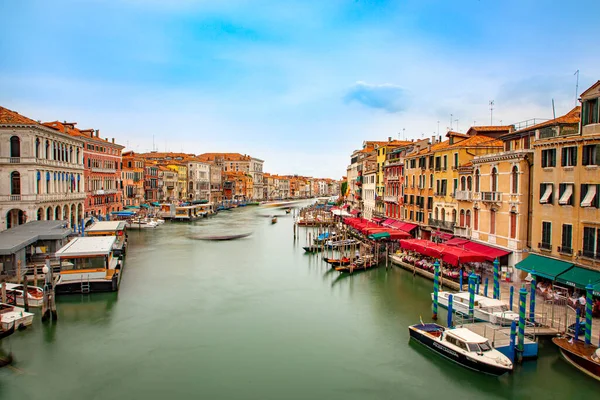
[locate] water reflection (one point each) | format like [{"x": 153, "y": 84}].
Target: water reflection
[{"x": 96, "y": 308}]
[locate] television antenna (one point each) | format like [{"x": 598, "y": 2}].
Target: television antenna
[
  {"x": 576, "y": 86},
  {"x": 491, "y": 112}
]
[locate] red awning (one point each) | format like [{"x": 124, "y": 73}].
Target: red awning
[
  {"x": 388, "y": 222},
  {"x": 354, "y": 212},
  {"x": 405, "y": 226},
  {"x": 378, "y": 220},
  {"x": 455, "y": 256},
  {"x": 490, "y": 252},
  {"x": 397, "y": 235},
  {"x": 442, "y": 235}
]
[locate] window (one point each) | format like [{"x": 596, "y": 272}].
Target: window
[
  {"x": 462, "y": 218},
  {"x": 493, "y": 222},
  {"x": 438, "y": 163},
  {"x": 455, "y": 160},
  {"x": 590, "y": 112},
  {"x": 515, "y": 179},
  {"x": 477, "y": 180},
  {"x": 468, "y": 221},
  {"x": 476, "y": 219},
  {"x": 445, "y": 163},
  {"x": 431, "y": 181},
  {"x": 411, "y": 215},
  {"x": 591, "y": 242},
  {"x": 546, "y": 236},
  {"x": 463, "y": 184},
  {"x": 430, "y": 203},
  {"x": 548, "y": 158},
  {"x": 469, "y": 183},
  {"x": 567, "y": 237},
  {"x": 494, "y": 176},
  {"x": 546, "y": 193},
  {"x": 591, "y": 154},
  {"x": 565, "y": 194},
  {"x": 569, "y": 156},
  {"x": 513, "y": 224},
  {"x": 444, "y": 186},
  {"x": 15, "y": 147},
  {"x": 430, "y": 162},
  {"x": 589, "y": 195},
  {"x": 15, "y": 183},
  {"x": 455, "y": 184}
]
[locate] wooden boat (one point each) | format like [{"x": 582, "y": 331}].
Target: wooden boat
[
  {"x": 336, "y": 244},
  {"x": 337, "y": 262},
  {"x": 359, "y": 264},
  {"x": 463, "y": 347},
  {"x": 223, "y": 237},
  {"x": 288, "y": 210},
  {"x": 274, "y": 220},
  {"x": 35, "y": 295},
  {"x": 584, "y": 358},
  {"x": 312, "y": 249},
  {"x": 485, "y": 308},
  {"x": 14, "y": 316}
]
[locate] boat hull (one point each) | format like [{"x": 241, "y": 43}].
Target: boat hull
[
  {"x": 96, "y": 286},
  {"x": 572, "y": 353},
  {"x": 454, "y": 356},
  {"x": 20, "y": 321}
]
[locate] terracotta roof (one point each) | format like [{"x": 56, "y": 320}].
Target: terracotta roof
[
  {"x": 457, "y": 134},
  {"x": 9, "y": 117},
  {"x": 478, "y": 141},
  {"x": 226, "y": 157},
  {"x": 492, "y": 128},
  {"x": 572, "y": 117},
  {"x": 590, "y": 89}
]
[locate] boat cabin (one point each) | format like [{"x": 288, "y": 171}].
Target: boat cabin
[
  {"x": 468, "y": 340},
  {"x": 187, "y": 213},
  {"x": 111, "y": 228},
  {"x": 87, "y": 264}
]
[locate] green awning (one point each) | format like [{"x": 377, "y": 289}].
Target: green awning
[
  {"x": 132, "y": 207},
  {"x": 579, "y": 277},
  {"x": 545, "y": 267},
  {"x": 597, "y": 289},
  {"x": 156, "y": 204},
  {"x": 145, "y": 205},
  {"x": 380, "y": 235}
]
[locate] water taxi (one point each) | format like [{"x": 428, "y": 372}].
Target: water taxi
[
  {"x": 463, "y": 347},
  {"x": 87, "y": 264},
  {"x": 35, "y": 295},
  {"x": 485, "y": 308},
  {"x": 585, "y": 358},
  {"x": 12, "y": 316},
  {"x": 111, "y": 228},
  {"x": 274, "y": 220},
  {"x": 141, "y": 223}
]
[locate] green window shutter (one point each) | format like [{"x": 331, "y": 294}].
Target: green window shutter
[
  {"x": 574, "y": 156},
  {"x": 585, "y": 155},
  {"x": 563, "y": 157},
  {"x": 583, "y": 192},
  {"x": 542, "y": 187},
  {"x": 596, "y": 156},
  {"x": 584, "y": 113}
]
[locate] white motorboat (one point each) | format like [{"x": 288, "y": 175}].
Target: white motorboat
[
  {"x": 463, "y": 347},
  {"x": 14, "y": 316},
  {"x": 157, "y": 221},
  {"x": 141, "y": 223},
  {"x": 485, "y": 308},
  {"x": 35, "y": 295}
]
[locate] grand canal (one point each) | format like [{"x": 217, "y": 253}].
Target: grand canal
[{"x": 253, "y": 319}]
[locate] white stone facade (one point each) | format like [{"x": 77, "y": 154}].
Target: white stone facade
[
  {"x": 198, "y": 180},
  {"x": 256, "y": 171},
  {"x": 41, "y": 175}
]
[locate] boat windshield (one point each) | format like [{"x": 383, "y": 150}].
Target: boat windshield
[
  {"x": 498, "y": 309},
  {"x": 485, "y": 346},
  {"x": 473, "y": 347}
]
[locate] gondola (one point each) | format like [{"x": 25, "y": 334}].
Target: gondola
[
  {"x": 584, "y": 358},
  {"x": 337, "y": 262},
  {"x": 274, "y": 220},
  {"x": 357, "y": 265},
  {"x": 222, "y": 237},
  {"x": 312, "y": 249}
]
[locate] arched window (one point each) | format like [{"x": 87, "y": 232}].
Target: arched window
[
  {"x": 49, "y": 214},
  {"x": 513, "y": 224},
  {"x": 454, "y": 216},
  {"x": 494, "y": 176},
  {"x": 430, "y": 181},
  {"x": 15, "y": 183},
  {"x": 37, "y": 147},
  {"x": 469, "y": 183},
  {"x": 47, "y": 153},
  {"x": 40, "y": 214},
  {"x": 515, "y": 179},
  {"x": 477, "y": 180},
  {"x": 468, "y": 219},
  {"x": 437, "y": 214},
  {"x": 476, "y": 219},
  {"x": 77, "y": 154},
  {"x": 71, "y": 154},
  {"x": 15, "y": 147},
  {"x": 493, "y": 222},
  {"x": 462, "y": 218},
  {"x": 463, "y": 183},
  {"x": 443, "y": 212}
]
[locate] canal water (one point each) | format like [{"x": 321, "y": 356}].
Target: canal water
[{"x": 254, "y": 318}]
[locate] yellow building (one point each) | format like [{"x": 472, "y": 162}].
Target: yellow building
[
  {"x": 382, "y": 149},
  {"x": 566, "y": 194},
  {"x": 182, "y": 178},
  {"x": 458, "y": 150}
]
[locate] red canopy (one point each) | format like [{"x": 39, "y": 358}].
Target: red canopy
[
  {"x": 490, "y": 253},
  {"x": 455, "y": 256},
  {"x": 397, "y": 235},
  {"x": 388, "y": 222}
]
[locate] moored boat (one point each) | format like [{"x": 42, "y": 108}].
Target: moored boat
[
  {"x": 141, "y": 223},
  {"x": 35, "y": 295},
  {"x": 274, "y": 220},
  {"x": 485, "y": 308},
  {"x": 14, "y": 316},
  {"x": 337, "y": 262},
  {"x": 585, "y": 358},
  {"x": 336, "y": 244},
  {"x": 7, "y": 332},
  {"x": 360, "y": 264},
  {"x": 463, "y": 347},
  {"x": 312, "y": 249}
]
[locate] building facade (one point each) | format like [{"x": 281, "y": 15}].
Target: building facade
[
  {"x": 368, "y": 184},
  {"x": 41, "y": 173}
]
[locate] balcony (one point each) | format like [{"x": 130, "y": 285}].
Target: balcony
[
  {"x": 42, "y": 197},
  {"x": 104, "y": 170},
  {"x": 545, "y": 246},
  {"x": 391, "y": 199},
  {"x": 462, "y": 231},
  {"x": 591, "y": 254},
  {"x": 102, "y": 191},
  {"x": 493, "y": 197},
  {"x": 463, "y": 195},
  {"x": 447, "y": 225}
]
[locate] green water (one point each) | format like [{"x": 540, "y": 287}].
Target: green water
[{"x": 254, "y": 318}]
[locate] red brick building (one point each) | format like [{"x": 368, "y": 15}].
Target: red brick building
[{"x": 102, "y": 173}]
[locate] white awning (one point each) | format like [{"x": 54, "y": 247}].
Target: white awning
[
  {"x": 589, "y": 196},
  {"x": 566, "y": 196},
  {"x": 547, "y": 193}
]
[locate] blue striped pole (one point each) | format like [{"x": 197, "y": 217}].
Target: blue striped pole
[
  {"x": 577, "y": 323},
  {"x": 436, "y": 283},
  {"x": 588, "y": 313},
  {"x": 450, "y": 310},
  {"x": 477, "y": 284},
  {"x": 472, "y": 280},
  {"x": 485, "y": 287},
  {"x": 513, "y": 335},
  {"x": 496, "y": 279},
  {"x": 532, "y": 298},
  {"x": 512, "y": 295},
  {"x": 521, "y": 335}
]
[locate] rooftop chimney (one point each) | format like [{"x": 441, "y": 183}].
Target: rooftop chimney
[
  {"x": 113, "y": 140},
  {"x": 97, "y": 133},
  {"x": 389, "y": 138}
]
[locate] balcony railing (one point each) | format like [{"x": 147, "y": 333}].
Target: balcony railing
[
  {"x": 15, "y": 160},
  {"x": 448, "y": 225},
  {"x": 463, "y": 195},
  {"x": 393, "y": 178},
  {"x": 462, "y": 231},
  {"x": 104, "y": 170},
  {"x": 39, "y": 161},
  {"x": 545, "y": 246},
  {"x": 495, "y": 197},
  {"x": 43, "y": 197},
  {"x": 591, "y": 254},
  {"x": 390, "y": 199}
]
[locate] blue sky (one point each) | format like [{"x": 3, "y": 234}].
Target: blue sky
[{"x": 298, "y": 83}]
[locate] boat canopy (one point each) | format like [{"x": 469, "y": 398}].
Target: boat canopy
[
  {"x": 545, "y": 267},
  {"x": 578, "y": 277}
]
